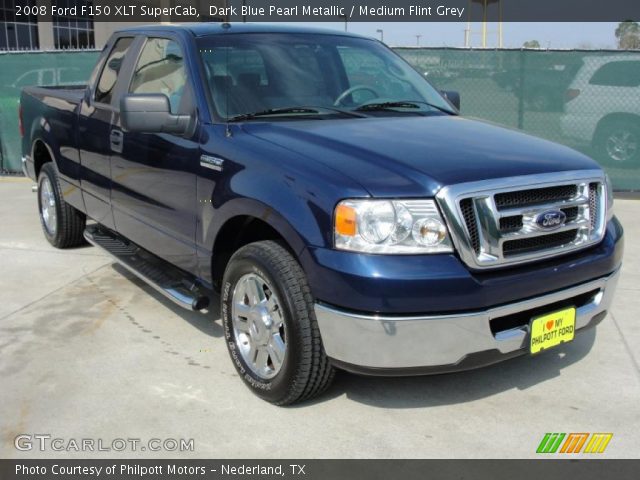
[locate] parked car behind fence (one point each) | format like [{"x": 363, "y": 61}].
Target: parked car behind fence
[{"x": 602, "y": 109}]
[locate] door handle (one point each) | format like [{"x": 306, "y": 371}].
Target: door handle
[
  {"x": 116, "y": 136},
  {"x": 116, "y": 140}
]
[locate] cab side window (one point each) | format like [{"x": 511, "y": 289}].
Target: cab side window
[
  {"x": 109, "y": 75},
  {"x": 625, "y": 73},
  {"x": 160, "y": 69}
]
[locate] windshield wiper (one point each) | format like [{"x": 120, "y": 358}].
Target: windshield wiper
[
  {"x": 304, "y": 110},
  {"x": 370, "y": 107}
]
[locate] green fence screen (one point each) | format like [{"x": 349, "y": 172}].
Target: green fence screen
[
  {"x": 21, "y": 69},
  {"x": 588, "y": 100}
]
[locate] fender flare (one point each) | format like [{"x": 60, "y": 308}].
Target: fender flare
[
  {"x": 253, "y": 208},
  {"x": 37, "y": 140}
]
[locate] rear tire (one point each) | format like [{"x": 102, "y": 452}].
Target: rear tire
[
  {"x": 63, "y": 225},
  {"x": 270, "y": 325}
]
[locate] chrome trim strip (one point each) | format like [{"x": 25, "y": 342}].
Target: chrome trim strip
[
  {"x": 488, "y": 216},
  {"x": 213, "y": 163},
  {"x": 380, "y": 341}
]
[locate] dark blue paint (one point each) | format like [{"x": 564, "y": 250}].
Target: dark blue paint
[
  {"x": 440, "y": 283},
  {"x": 291, "y": 175},
  {"x": 413, "y": 156}
]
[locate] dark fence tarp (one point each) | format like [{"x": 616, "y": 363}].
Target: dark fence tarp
[
  {"x": 21, "y": 69},
  {"x": 587, "y": 100}
]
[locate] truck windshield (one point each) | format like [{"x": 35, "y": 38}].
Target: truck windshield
[{"x": 261, "y": 76}]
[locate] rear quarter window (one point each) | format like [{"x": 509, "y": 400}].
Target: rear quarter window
[{"x": 623, "y": 73}]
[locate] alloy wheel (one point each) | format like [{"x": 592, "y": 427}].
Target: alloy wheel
[{"x": 258, "y": 326}]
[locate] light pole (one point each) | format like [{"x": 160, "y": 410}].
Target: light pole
[
  {"x": 485, "y": 6},
  {"x": 381, "y": 32},
  {"x": 418, "y": 40}
]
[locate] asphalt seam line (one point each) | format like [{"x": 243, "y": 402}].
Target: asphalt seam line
[
  {"x": 53, "y": 291},
  {"x": 61, "y": 252}
]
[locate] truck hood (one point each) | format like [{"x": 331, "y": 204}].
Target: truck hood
[{"x": 416, "y": 156}]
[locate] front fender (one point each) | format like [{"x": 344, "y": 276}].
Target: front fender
[
  {"x": 293, "y": 194},
  {"x": 254, "y": 208}
]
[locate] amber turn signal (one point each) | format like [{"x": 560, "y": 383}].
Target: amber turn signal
[{"x": 345, "y": 220}]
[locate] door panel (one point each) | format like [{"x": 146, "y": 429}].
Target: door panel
[
  {"x": 94, "y": 126},
  {"x": 154, "y": 195},
  {"x": 95, "y": 153},
  {"x": 153, "y": 175}
]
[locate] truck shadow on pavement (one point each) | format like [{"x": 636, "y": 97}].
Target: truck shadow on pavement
[
  {"x": 412, "y": 392},
  {"x": 202, "y": 321},
  {"x": 453, "y": 388}
]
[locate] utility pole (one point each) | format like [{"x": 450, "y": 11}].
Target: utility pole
[
  {"x": 381, "y": 32},
  {"x": 467, "y": 31},
  {"x": 485, "y": 6},
  {"x": 418, "y": 40},
  {"x": 484, "y": 24}
]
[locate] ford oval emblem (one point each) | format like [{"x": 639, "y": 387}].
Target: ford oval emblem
[{"x": 551, "y": 219}]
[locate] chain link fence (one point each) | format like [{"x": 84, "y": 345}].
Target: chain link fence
[
  {"x": 22, "y": 69},
  {"x": 586, "y": 99}
]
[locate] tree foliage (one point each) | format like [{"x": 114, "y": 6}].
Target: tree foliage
[
  {"x": 628, "y": 35},
  {"x": 531, "y": 44}
]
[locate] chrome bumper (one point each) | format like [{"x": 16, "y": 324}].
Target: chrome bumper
[{"x": 385, "y": 342}]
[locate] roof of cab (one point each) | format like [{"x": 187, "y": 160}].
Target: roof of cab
[{"x": 209, "y": 28}]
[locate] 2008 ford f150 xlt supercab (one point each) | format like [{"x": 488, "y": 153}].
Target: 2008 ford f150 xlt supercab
[{"x": 347, "y": 214}]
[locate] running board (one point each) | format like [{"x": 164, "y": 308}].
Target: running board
[{"x": 178, "y": 286}]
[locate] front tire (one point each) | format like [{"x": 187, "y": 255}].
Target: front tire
[
  {"x": 63, "y": 225},
  {"x": 270, "y": 325}
]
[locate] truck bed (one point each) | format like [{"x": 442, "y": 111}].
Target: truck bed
[
  {"x": 57, "y": 108},
  {"x": 70, "y": 93}
]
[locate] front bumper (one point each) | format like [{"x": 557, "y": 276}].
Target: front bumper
[
  {"x": 406, "y": 345},
  {"x": 403, "y": 285}
]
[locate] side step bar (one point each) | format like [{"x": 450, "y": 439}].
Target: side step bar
[{"x": 178, "y": 286}]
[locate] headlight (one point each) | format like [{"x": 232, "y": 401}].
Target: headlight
[
  {"x": 390, "y": 226},
  {"x": 609, "y": 185}
]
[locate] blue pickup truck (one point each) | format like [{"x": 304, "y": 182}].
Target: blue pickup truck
[{"x": 343, "y": 210}]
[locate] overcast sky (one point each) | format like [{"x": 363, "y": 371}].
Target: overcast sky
[{"x": 552, "y": 35}]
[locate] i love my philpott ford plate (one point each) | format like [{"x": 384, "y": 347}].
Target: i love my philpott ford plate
[{"x": 552, "y": 329}]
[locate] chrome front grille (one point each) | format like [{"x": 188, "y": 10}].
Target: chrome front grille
[
  {"x": 520, "y": 219},
  {"x": 534, "y": 196},
  {"x": 541, "y": 242}
]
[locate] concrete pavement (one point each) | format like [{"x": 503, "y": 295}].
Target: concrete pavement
[{"x": 87, "y": 351}]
